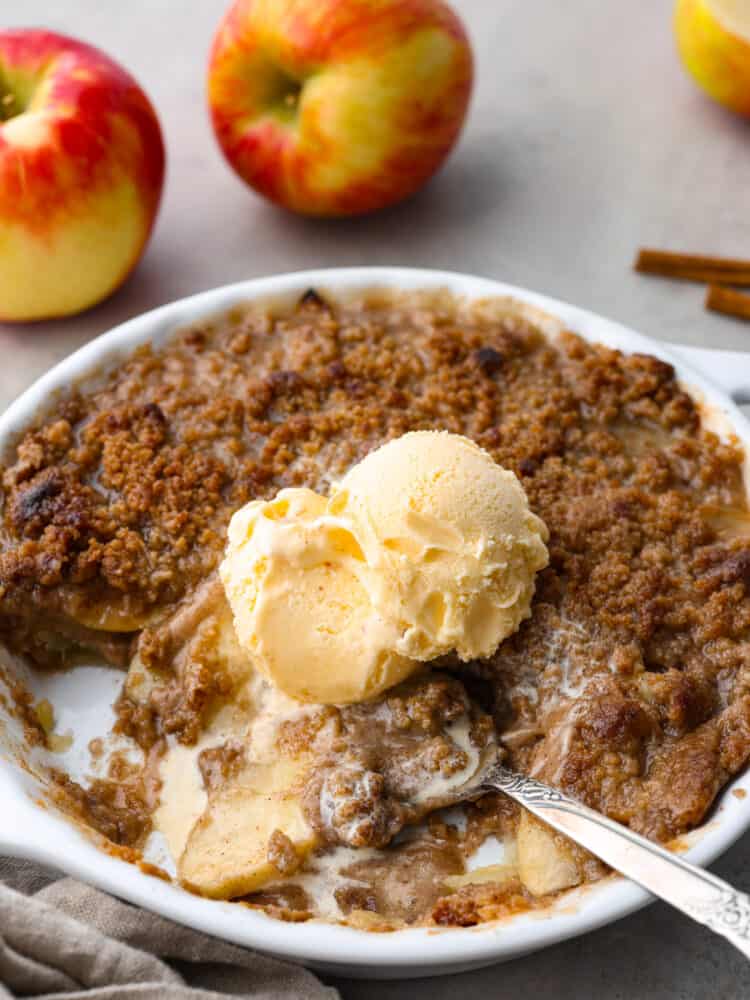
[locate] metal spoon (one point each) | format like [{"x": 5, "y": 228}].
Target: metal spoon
[{"x": 697, "y": 893}]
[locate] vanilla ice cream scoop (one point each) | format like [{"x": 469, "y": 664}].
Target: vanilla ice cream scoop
[
  {"x": 425, "y": 547},
  {"x": 301, "y": 597},
  {"x": 452, "y": 537}
]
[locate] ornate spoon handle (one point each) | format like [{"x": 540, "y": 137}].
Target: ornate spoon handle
[{"x": 692, "y": 890}]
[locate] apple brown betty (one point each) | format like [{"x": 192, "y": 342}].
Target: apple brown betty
[{"x": 629, "y": 687}]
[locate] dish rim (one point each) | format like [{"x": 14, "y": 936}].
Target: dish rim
[{"x": 29, "y": 830}]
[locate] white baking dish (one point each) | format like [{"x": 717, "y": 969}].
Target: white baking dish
[{"x": 82, "y": 699}]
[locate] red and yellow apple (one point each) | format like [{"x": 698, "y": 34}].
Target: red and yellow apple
[
  {"x": 338, "y": 107},
  {"x": 81, "y": 173},
  {"x": 713, "y": 38}
]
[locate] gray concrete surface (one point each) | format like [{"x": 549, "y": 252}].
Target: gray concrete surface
[{"x": 584, "y": 141}]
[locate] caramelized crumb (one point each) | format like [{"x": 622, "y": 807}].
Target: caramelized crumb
[
  {"x": 118, "y": 809},
  {"x": 218, "y": 764},
  {"x": 475, "y": 904},
  {"x": 282, "y": 854}
]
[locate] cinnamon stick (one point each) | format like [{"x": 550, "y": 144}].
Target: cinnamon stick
[
  {"x": 727, "y": 301},
  {"x": 694, "y": 267}
]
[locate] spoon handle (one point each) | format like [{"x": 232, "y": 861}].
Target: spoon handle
[{"x": 695, "y": 892}]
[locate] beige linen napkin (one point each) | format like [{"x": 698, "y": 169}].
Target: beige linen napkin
[{"x": 61, "y": 940}]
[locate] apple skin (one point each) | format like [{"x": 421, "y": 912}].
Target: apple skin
[
  {"x": 338, "y": 107},
  {"x": 81, "y": 173},
  {"x": 715, "y": 57}
]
